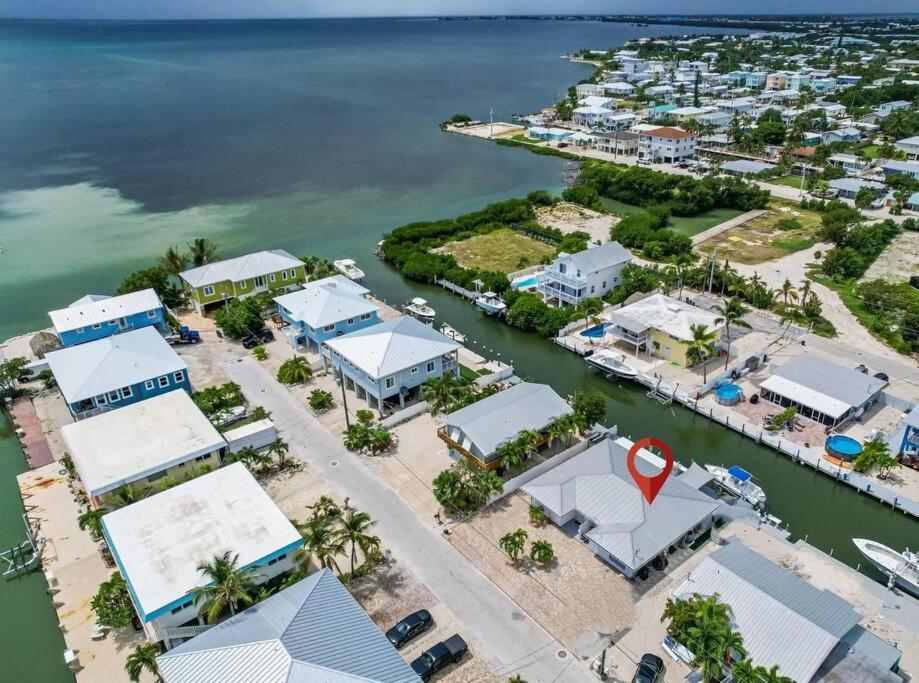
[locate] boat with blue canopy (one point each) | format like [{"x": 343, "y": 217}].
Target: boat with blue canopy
[{"x": 738, "y": 482}]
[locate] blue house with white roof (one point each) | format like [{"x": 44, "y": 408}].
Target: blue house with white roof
[
  {"x": 386, "y": 363},
  {"x": 325, "y": 309},
  {"x": 117, "y": 371},
  {"x": 96, "y": 316},
  {"x": 910, "y": 168}
]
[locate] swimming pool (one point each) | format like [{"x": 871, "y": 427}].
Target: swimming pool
[
  {"x": 526, "y": 283},
  {"x": 595, "y": 332},
  {"x": 728, "y": 394},
  {"x": 843, "y": 447}
]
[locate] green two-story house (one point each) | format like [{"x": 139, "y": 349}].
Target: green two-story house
[{"x": 236, "y": 278}]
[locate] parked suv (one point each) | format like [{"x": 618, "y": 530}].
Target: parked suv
[
  {"x": 258, "y": 338},
  {"x": 412, "y": 626}
]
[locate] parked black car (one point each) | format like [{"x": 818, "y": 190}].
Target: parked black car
[
  {"x": 649, "y": 669},
  {"x": 413, "y": 625},
  {"x": 441, "y": 655},
  {"x": 258, "y": 338}
]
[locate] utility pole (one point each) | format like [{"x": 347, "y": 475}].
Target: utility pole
[
  {"x": 711, "y": 277},
  {"x": 344, "y": 397},
  {"x": 803, "y": 172}
]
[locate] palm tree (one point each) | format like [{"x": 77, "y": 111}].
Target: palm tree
[
  {"x": 557, "y": 430},
  {"x": 897, "y": 124},
  {"x": 512, "y": 543},
  {"x": 201, "y": 251},
  {"x": 227, "y": 587},
  {"x": 295, "y": 371},
  {"x": 511, "y": 453},
  {"x": 529, "y": 440},
  {"x": 320, "y": 540},
  {"x": 541, "y": 551},
  {"x": 745, "y": 672},
  {"x": 771, "y": 675},
  {"x": 143, "y": 657},
  {"x": 128, "y": 495},
  {"x": 173, "y": 261},
  {"x": 280, "y": 449},
  {"x": 732, "y": 313},
  {"x": 587, "y": 308},
  {"x": 701, "y": 347},
  {"x": 324, "y": 507},
  {"x": 353, "y": 528},
  {"x": 788, "y": 291},
  {"x": 681, "y": 263},
  {"x": 91, "y": 521},
  {"x": 442, "y": 392}
]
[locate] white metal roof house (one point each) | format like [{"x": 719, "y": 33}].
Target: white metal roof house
[
  {"x": 594, "y": 495},
  {"x": 158, "y": 542},
  {"x": 476, "y": 431},
  {"x": 390, "y": 360},
  {"x": 141, "y": 443},
  {"x": 116, "y": 371},
  {"x": 593, "y": 272},
  {"x": 811, "y": 634},
  {"x": 821, "y": 390},
  {"x": 313, "y": 631},
  {"x": 96, "y": 316},
  {"x": 325, "y": 309}
]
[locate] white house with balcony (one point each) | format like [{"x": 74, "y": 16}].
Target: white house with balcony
[
  {"x": 571, "y": 278},
  {"x": 666, "y": 144}
]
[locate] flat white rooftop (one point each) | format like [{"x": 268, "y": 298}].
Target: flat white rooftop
[
  {"x": 158, "y": 542},
  {"x": 123, "y": 446}
]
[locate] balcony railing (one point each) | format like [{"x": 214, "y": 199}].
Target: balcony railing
[
  {"x": 551, "y": 275},
  {"x": 450, "y": 364},
  {"x": 561, "y": 295},
  {"x": 442, "y": 434}
]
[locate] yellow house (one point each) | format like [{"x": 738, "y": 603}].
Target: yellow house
[
  {"x": 661, "y": 326},
  {"x": 141, "y": 445}
]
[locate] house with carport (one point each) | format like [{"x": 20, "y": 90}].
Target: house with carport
[
  {"x": 385, "y": 364},
  {"x": 159, "y": 542},
  {"x": 117, "y": 371},
  {"x": 477, "y": 431},
  {"x": 164, "y": 438}
]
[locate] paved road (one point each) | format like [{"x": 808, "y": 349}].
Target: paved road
[{"x": 500, "y": 629}]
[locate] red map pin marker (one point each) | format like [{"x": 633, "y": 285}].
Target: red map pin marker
[{"x": 650, "y": 486}]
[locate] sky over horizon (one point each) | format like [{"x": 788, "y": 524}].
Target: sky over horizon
[{"x": 247, "y": 9}]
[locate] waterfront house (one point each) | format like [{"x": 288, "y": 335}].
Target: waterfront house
[
  {"x": 325, "y": 309},
  {"x": 311, "y": 631},
  {"x": 666, "y": 144},
  {"x": 903, "y": 440},
  {"x": 141, "y": 444},
  {"x": 96, "y": 316},
  {"x": 213, "y": 283},
  {"x": 159, "y": 542},
  {"x": 618, "y": 142},
  {"x": 116, "y": 371},
  {"x": 745, "y": 167},
  {"x": 593, "y": 272},
  {"x": 478, "y": 430},
  {"x": 809, "y": 633},
  {"x": 594, "y": 497},
  {"x": 589, "y": 116},
  {"x": 598, "y": 101},
  {"x": 910, "y": 168},
  {"x": 909, "y": 146},
  {"x": 550, "y": 134},
  {"x": 847, "y": 188},
  {"x": 821, "y": 390},
  {"x": 588, "y": 90},
  {"x": 619, "y": 89},
  {"x": 849, "y": 163},
  {"x": 661, "y": 326},
  {"x": 388, "y": 362}
]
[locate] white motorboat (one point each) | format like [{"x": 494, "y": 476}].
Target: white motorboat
[
  {"x": 448, "y": 331},
  {"x": 902, "y": 568},
  {"x": 418, "y": 308},
  {"x": 611, "y": 363},
  {"x": 349, "y": 269},
  {"x": 491, "y": 303},
  {"x": 738, "y": 482}
]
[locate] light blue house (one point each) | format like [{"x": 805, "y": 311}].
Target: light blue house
[
  {"x": 823, "y": 84},
  {"x": 387, "y": 362},
  {"x": 326, "y": 309},
  {"x": 593, "y": 272},
  {"x": 903, "y": 441},
  {"x": 96, "y": 316},
  {"x": 910, "y": 168},
  {"x": 551, "y": 134},
  {"x": 116, "y": 371}
]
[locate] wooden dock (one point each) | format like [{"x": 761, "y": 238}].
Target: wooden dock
[{"x": 456, "y": 289}]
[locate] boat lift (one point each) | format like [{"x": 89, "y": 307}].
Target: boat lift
[
  {"x": 21, "y": 558},
  {"x": 660, "y": 395}
]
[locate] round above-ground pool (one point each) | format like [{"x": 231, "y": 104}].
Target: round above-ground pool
[
  {"x": 728, "y": 394},
  {"x": 595, "y": 332},
  {"x": 843, "y": 449}
]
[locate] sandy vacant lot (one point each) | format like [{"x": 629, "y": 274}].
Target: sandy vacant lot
[
  {"x": 571, "y": 217},
  {"x": 899, "y": 261}
]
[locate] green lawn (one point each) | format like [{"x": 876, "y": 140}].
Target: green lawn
[
  {"x": 501, "y": 251},
  {"x": 788, "y": 181},
  {"x": 870, "y": 151}
]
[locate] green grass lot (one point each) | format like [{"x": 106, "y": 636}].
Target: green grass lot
[
  {"x": 788, "y": 181},
  {"x": 500, "y": 251},
  {"x": 686, "y": 225},
  {"x": 869, "y": 151}
]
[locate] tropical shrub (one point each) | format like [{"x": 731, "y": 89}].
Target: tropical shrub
[
  {"x": 112, "y": 603},
  {"x": 320, "y": 400},
  {"x": 295, "y": 370}
]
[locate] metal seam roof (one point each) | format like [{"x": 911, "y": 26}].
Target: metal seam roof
[
  {"x": 241, "y": 268},
  {"x": 92, "y": 310}
]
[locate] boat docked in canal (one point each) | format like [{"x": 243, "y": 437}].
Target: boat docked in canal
[
  {"x": 902, "y": 568},
  {"x": 349, "y": 269},
  {"x": 456, "y": 336},
  {"x": 491, "y": 303},
  {"x": 738, "y": 482},
  {"x": 611, "y": 363},
  {"x": 418, "y": 308}
]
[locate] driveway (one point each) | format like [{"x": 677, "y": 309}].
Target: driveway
[{"x": 502, "y": 632}]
